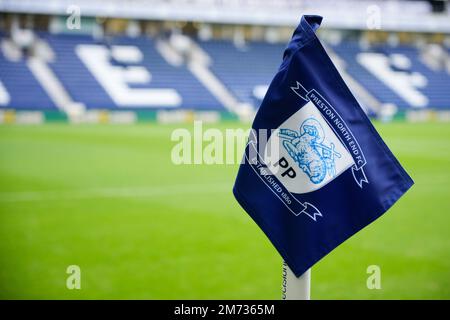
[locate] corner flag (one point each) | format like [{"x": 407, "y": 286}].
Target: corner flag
[{"x": 315, "y": 170}]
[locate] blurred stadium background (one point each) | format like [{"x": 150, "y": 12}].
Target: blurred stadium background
[{"x": 91, "y": 90}]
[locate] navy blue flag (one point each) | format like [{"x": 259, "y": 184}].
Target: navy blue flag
[{"x": 315, "y": 170}]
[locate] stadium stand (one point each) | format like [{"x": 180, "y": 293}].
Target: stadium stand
[
  {"x": 21, "y": 90},
  {"x": 246, "y": 70},
  {"x": 124, "y": 73},
  {"x": 396, "y": 75},
  {"x": 131, "y": 73}
]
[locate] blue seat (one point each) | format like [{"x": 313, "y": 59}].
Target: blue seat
[
  {"x": 83, "y": 87},
  {"x": 436, "y": 89},
  {"x": 243, "y": 69},
  {"x": 23, "y": 88}
]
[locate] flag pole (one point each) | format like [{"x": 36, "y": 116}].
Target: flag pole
[{"x": 294, "y": 288}]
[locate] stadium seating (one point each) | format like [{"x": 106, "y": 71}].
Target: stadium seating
[
  {"x": 123, "y": 73},
  {"x": 84, "y": 87},
  {"x": 379, "y": 69},
  {"x": 22, "y": 89},
  {"x": 246, "y": 71}
]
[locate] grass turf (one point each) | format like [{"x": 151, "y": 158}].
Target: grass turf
[{"x": 108, "y": 198}]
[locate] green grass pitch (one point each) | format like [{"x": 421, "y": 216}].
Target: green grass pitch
[{"x": 108, "y": 198}]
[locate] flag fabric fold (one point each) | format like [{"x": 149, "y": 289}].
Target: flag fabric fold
[{"x": 315, "y": 171}]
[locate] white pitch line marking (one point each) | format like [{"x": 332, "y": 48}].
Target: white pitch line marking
[{"x": 119, "y": 192}]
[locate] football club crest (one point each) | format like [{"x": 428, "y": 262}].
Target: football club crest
[
  {"x": 313, "y": 147},
  {"x": 306, "y": 147},
  {"x": 314, "y": 153}
]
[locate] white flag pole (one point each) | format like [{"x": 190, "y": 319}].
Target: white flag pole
[{"x": 294, "y": 288}]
